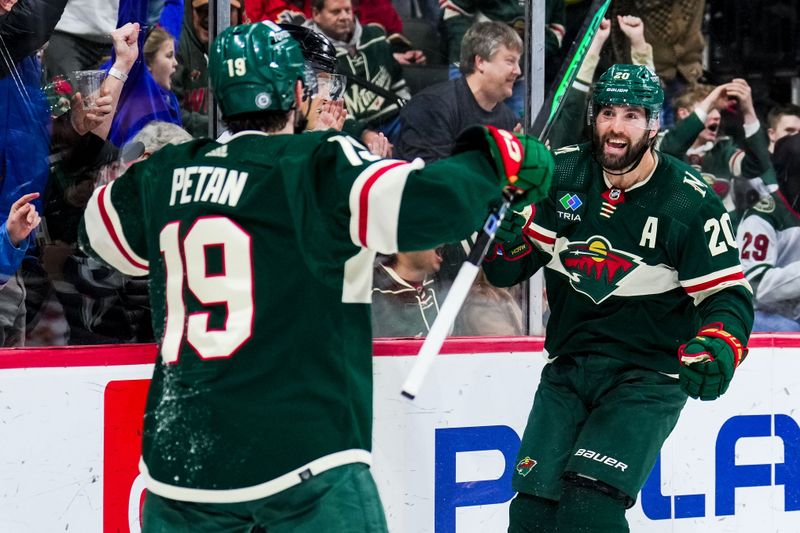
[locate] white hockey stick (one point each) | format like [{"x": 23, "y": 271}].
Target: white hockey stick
[
  {"x": 469, "y": 270},
  {"x": 455, "y": 299}
]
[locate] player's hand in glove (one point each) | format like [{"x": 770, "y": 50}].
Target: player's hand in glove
[
  {"x": 510, "y": 228},
  {"x": 708, "y": 361},
  {"x": 512, "y": 243},
  {"x": 523, "y": 164}
]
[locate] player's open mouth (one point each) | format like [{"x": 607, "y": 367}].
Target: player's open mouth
[{"x": 616, "y": 145}]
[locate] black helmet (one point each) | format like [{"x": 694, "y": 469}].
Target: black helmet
[{"x": 318, "y": 51}]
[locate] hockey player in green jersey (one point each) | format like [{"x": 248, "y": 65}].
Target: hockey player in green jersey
[
  {"x": 648, "y": 305},
  {"x": 260, "y": 255}
]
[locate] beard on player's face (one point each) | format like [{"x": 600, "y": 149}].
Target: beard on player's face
[{"x": 616, "y": 151}]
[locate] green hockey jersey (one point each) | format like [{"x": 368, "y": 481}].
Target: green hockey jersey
[
  {"x": 260, "y": 255},
  {"x": 630, "y": 274}
]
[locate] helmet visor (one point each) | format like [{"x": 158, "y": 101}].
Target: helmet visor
[
  {"x": 331, "y": 86},
  {"x": 325, "y": 85}
]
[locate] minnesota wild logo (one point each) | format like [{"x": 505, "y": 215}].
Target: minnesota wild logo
[
  {"x": 765, "y": 205},
  {"x": 595, "y": 268},
  {"x": 525, "y": 466}
]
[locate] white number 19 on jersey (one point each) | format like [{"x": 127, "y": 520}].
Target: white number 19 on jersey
[{"x": 231, "y": 287}]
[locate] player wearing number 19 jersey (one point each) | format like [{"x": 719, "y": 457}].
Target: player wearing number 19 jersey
[
  {"x": 260, "y": 254},
  {"x": 642, "y": 274}
]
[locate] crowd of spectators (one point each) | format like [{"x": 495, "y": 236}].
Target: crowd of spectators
[{"x": 155, "y": 54}]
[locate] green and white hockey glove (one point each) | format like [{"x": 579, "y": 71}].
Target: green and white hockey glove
[
  {"x": 512, "y": 243},
  {"x": 708, "y": 362},
  {"x": 523, "y": 164}
]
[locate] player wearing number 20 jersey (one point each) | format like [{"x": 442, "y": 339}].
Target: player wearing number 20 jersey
[
  {"x": 662, "y": 256},
  {"x": 648, "y": 303}
]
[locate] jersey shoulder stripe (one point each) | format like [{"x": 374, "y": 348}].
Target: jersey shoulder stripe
[
  {"x": 755, "y": 274},
  {"x": 374, "y": 200},
  {"x": 451, "y": 9},
  {"x": 106, "y": 235}
]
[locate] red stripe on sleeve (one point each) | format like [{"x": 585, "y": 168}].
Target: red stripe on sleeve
[
  {"x": 363, "y": 200},
  {"x": 101, "y": 204},
  {"x": 540, "y": 237},
  {"x": 733, "y": 161},
  {"x": 714, "y": 282}
]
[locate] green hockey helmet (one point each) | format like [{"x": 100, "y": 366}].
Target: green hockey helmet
[
  {"x": 630, "y": 85},
  {"x": 254, "y": 67}
]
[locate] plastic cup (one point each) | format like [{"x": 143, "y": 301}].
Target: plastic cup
[{"x": 87, "y": 82}]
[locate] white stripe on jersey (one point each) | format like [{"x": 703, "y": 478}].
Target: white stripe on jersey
[
  {"x": 543, "y": 238},
  {"x": 646, "y": 279},
  {"x": 709, "y": 278},
  {"x": 357, "y": 283},
  {"x": 642, "y": 281},
  {"x": 558, "y": 30},
  {"x": 735, "y": 163},
  {"x": 255, "y": 492},
  {"x": 106, "y": 237},
  {"x": 375, "y": 204}
]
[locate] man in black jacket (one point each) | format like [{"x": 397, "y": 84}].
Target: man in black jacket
[{"x": 433, "y": 119}]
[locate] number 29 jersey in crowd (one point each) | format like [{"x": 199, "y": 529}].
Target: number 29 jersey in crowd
[
  {"x": 260, "y": 256},
  {"x": 769, "y": 239},
  {"x": 630, "y": 274}
]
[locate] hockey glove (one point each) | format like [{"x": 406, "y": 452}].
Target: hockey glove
[
  {"x": 510, "y": 228},
  {"x": 708, "y": 361},
  {"x": 523, "y": 164},
  {"x": 512, "y": 243}
]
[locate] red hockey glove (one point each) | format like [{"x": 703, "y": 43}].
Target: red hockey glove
[
  {"x": 523, "y": 164},
  {"x": 708, "y": 362}
]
